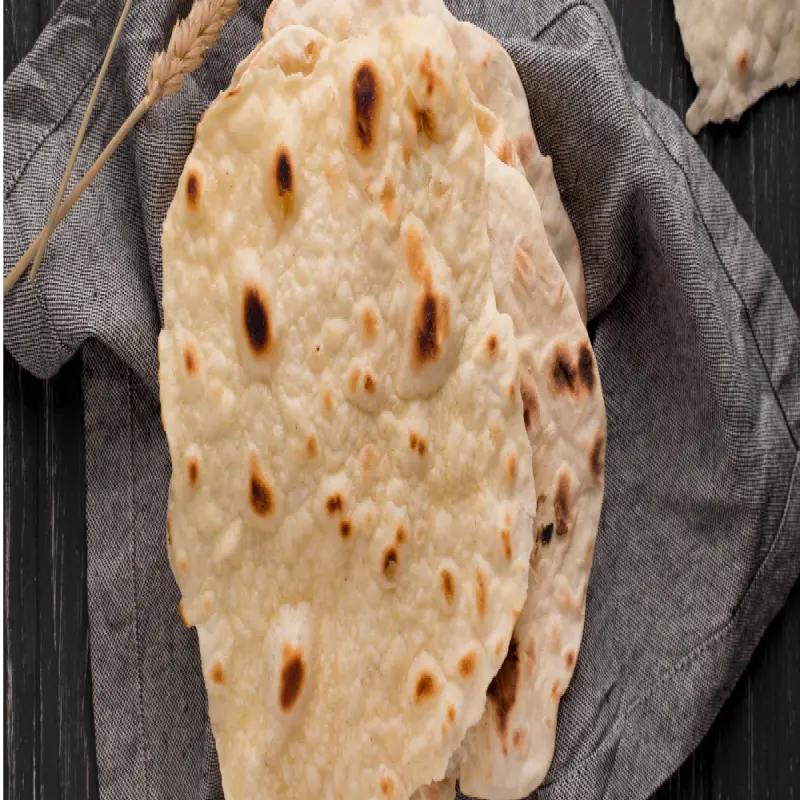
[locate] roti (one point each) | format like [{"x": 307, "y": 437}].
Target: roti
[
  {"x": 349, "y": 513},
  {"x": 507, "y": 755},
  {"x": 510, "y": 751}
]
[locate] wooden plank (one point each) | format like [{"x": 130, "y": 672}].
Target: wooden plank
[
  {"x": 20, "y": 29},
  {"x": 756, "y": 158},
  {"x": 46, "y": 10},
  {"x": 21, "y": 419},
  {"x": 64, "y": 702},
  {"x": 5, "y": 510},
  {"x": 49, "y": 729},
  {"x": 5, "y": 518}
]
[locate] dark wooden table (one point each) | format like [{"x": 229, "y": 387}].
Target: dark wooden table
[{"x": 753, "y": 749}]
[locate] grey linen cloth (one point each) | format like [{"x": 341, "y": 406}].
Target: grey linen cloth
[{"x": 698, "y": 349}]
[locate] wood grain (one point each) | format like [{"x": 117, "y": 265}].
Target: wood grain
[
  {"x": 49, "y": 733},
  {"x": 753, "y": 749}
]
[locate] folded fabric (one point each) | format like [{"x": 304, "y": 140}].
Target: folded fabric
[{"x": 697, "y": 345}]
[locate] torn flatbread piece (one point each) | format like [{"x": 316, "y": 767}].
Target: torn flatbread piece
[{"x": 738, "y": 50}]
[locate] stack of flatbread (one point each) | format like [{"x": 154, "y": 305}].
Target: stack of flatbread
[{"x": 383, "y": 411}]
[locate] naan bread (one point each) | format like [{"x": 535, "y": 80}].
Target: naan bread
[
  {"x": 738, "y": 50},
  {"x": 493, "y": 78},
  {"x": 350, "y": 506}
]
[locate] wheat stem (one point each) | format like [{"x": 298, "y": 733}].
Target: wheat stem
[
  {"x": 74, "y": 196},
  {"x": 51, "y": 220},
  {"x": 191, "y": 39}
]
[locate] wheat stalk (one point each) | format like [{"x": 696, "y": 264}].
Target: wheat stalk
[
  {"x": 191, "y": 39},
  {"x": 51, "y": 220}
]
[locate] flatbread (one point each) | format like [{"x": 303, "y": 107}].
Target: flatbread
[
  {"x": 738, "y": 50},
  {"x": 508, "y": 754},
  {"x": 349, "y": 513},
  {"x": 493, "y": 78}
]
